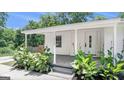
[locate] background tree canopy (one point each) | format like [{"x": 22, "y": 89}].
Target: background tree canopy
[
  {"x": 19, "y": 38},
  {"x": 3, "y": 18},
  {"x": 31, "y": 25},
  {"x": 121, "y": 15},
  {"x": 7, "y": 37},
  {"x": 100, "y": 18},
  {"x": 61, "y": 18}
]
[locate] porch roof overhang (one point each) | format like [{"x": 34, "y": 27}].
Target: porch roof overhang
[{"x": 76, "y": 26}]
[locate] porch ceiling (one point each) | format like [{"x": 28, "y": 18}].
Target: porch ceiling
[{"x": 75, "y": 26}]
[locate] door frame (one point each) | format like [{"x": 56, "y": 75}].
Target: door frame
[{"x": 86, "y": 42}]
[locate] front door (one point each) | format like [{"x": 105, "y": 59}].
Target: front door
[{"x": 91, "y": 42}]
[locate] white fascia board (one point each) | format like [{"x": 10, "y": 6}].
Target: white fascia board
[{"x": 85, "y": 25}]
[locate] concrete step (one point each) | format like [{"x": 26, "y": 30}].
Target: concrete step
[
  {"x": 61, "y": 75},
  {"x": 62, "y": 69}
]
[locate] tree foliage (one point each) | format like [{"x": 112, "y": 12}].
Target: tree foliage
[
  {"x": 100, "y": 17},
  {"x": 3, "y": 19},
  {"x": 19, "y": 38},
  {"x": 3, "y": 43},
  {"x": 59, "y": 18},
  {"x": 31, "y": 25},
  {"x": 8, "y": 35},
  {"x": 35, "y": 40},
  {"x": 48, "y": 20},
  {"x": 121, "y": 15},
  {"x": 62, "y": 18},
  {"x": 79, "y": 16}
]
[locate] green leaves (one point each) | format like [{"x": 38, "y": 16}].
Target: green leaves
[
  {"x": 85, "y": 68},
  {"x": 100, "y": 17},
  {"x": 121, "y": 14},
  {"x": 32, "y": 61},
  {"x": 79, "y": 16},
  {"x": 19, "y": 38},
  {"x": 3, "y": 18},
  {"x": 31, "y": 25},
  {"x": 35, "y": 40},
  {"x": 110, "y": 70}
]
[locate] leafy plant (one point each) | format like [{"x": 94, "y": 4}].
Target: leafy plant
[
  {"x": 35, "y": 40},
  {"x": 19, "y": 39},
  {"x": 43, "y": 65},
  {"x": 109, "y": 68},
  {"x": 21, "y": 58},
  {"x": 3, "y": 43},
  {"x": 111, "y": 72},
  {"x": 32, "y": 61},
  {"x": 104, "y": 60},
  {"x": 6, "y": 51},
  {"x": 84, "y": 66}
]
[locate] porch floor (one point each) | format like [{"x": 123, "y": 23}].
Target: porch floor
[{"x": 66, "y": 60}]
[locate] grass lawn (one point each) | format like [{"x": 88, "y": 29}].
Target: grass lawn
[
  {"x": 8, "y": 63},
  {"x": 3, "y": 55}
]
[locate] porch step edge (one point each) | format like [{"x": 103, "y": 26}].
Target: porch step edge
[
  {"x": 61, "y": 75},
  {"x": 56, "y": 65}
]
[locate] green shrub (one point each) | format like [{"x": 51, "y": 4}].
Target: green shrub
[
  {"x": 42, "y": 65},
  {"x": 84, "y": 66},
  {"x": 3, "y": 43},
  {"x": 35, "y": 40},
  {"x": 110, "y": 72},
  {"x": 32, "y": 61},
  {"x": 21, "y": 56},
  {"x": 109, "y": 68},
  {"x": 6, "y": 51},
  {"x": 19, "y": 39}
]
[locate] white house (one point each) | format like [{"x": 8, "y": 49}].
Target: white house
[{"x": 91, "y": 37}]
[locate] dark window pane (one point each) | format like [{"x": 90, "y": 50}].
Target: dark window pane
[
  {"x": 58, "y": 41},
  {"x": 90, "y": 41}
]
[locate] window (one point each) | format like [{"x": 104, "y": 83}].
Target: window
[
  {"x": 58, "y": 41},
  {"x": 90, "y": 41}
]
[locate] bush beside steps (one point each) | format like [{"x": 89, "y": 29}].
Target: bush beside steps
[{"x": 39, "y": 62}]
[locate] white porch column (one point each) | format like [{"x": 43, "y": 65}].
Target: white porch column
[
  {"x": 54, "y": 47},
  {"x": 115, "y": 41},
  {"x": 75, "y": 41},
  {"x": 25, "y": 40}
]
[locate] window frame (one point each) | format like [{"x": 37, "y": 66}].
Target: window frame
[{"x": 58, "y": 41}]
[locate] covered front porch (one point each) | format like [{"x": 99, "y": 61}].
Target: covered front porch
[{"x": 87, "y": 37}]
